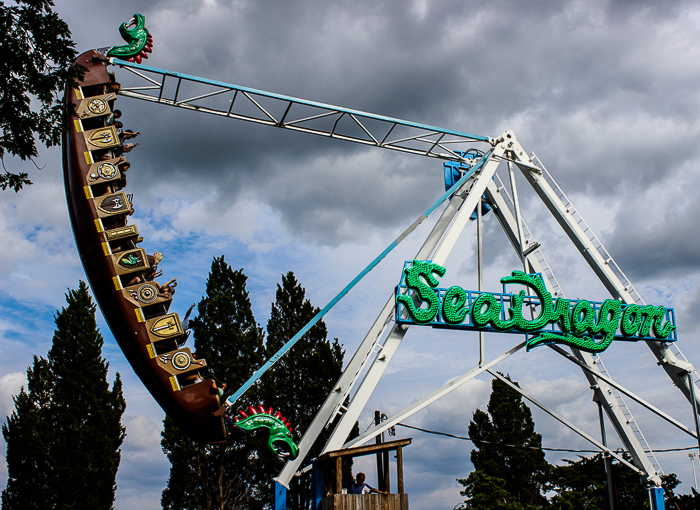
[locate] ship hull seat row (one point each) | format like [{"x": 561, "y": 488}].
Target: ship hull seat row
[{"x": 121, "y": 273}]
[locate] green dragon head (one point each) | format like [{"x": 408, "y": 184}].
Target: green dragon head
[
  {"x": 280, "y": 442},
  {"x": 139, "y": 41}
]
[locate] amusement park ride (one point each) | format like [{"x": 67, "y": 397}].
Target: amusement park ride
[{"x": 135, "y": 305}]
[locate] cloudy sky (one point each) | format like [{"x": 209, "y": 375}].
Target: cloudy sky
[{"x": 604, "y": 92}]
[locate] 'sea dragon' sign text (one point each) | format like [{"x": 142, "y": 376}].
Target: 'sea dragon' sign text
[{"x": 583, "y": 324}]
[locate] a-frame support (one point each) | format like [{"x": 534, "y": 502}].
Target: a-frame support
[{"x": 437, "y": 248}]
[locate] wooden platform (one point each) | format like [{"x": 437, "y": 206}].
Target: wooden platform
[{"x": 365, "y": 502}]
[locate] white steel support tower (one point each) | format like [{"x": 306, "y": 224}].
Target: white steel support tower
[{"x": 352, "y": 391}]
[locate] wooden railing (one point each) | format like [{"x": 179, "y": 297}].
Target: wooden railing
[{"x": 365, "y": 502}]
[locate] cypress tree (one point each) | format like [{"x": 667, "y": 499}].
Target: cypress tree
[
  {"x": 227, "y": 336},
  {"x": 509, "y": 465},
  {"x": 301, "y": 380},
  {"x": 64, "y": 436}
]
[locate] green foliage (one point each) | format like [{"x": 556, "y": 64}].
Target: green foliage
[
  {"x": 37, "y": 52},
  {"x": 227, "y": 336},
  {"x": 239, "y": 474},
  {"x": 301, "y": 380},
  {"x": 64, "y": 436},
  {"x": 686, "y": 501},
  {"x": 582, "y": 484},
  {"x": 509, "y": 466}
]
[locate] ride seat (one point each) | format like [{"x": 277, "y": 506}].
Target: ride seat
[
  {"x": 95, "y": 106},
  {"x": 180, "y": 362},
  {"x": 113, "y": 204},
  {"x": 104, "y": 171}
]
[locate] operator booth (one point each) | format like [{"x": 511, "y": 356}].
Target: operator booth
[{"x": 328, "y": 487}]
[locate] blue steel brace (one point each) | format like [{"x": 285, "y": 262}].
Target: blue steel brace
[
  {"x": 656, "y": 498},
  {"x": 318, "y": 486},
  {"x": 268, "y": 364},
  {"x": 280, "y": 496}
]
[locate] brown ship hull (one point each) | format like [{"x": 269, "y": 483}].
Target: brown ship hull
[{"x": 92, "y": 202}]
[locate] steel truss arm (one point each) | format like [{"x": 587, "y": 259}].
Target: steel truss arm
[
  {"x": 296, "y": 114},
  {"x": 398, "y": 331},
  {"x": 453, "y": 219},
  {"x": 429, "y": 399}
]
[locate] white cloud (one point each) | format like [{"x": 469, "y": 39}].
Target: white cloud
[{"x": 10, "y": 385}]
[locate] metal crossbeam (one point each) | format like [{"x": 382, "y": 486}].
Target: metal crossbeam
[
  {"x": 566, "y": 422},
  {"x": 261, "y": 107},
  {"x": 450, "y": 386}
]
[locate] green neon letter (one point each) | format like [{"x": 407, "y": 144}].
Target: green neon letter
[
  {"x": 493, "y": 309},
  {"x": 453, "y": 309},
  {"x": 580, "y": 324},
  {"x": 560, "y": 314},
  {"x": 607, "y": 324},
  {"x": 535, "y": 283},
  {"x": 649, "y": 314},
  {"x": 420, "y": 279},
  {"x": 664, "y": 331},
  {"x": 631, "y": 318}
]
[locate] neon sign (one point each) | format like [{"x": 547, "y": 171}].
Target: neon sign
[{"x": 585, "y": 325}]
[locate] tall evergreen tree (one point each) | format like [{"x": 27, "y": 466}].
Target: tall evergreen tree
[
  {"x": 301, "y": 380},
  {"x": 509, "y": 465},
  {"x": 64, "y": 436},
  {"x": 227, "y": 336}
]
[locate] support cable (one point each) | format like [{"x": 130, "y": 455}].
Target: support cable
[
  {"x": 269, "y": 363},
  {"x": 523, "y": 447}
]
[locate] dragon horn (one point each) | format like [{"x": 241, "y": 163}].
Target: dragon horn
[
  {"x": 243, "y": 414},
  {"x": 271, "y": 412},
  {"x": 278, "y": 415},
  {"x": 138, "y": 58},
  {"x": 235, "y": 419},
  {"x": 252, "y": 410},
  {"x": 289, "y": 426},
  {"x": 261, "y": 409}
]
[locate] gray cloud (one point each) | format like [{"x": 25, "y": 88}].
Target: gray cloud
[{"x": 605, "y": 92}]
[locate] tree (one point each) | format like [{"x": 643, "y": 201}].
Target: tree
[
  {"x": 227, "y": 336},
  {"x": 686, "y": 501},
  {"x": 582, "y": 484},
  {"x": 37, "y": 52},
  {"x": 509, "y": 465},
  {"x": 301, "y": 380},
  {"x": 239, "y": 474},
  {"x": 64, "y": 436}
]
